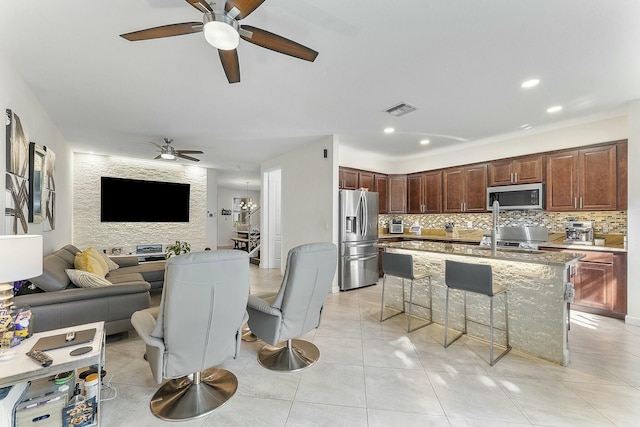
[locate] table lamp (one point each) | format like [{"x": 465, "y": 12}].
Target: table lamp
[{"x": 21, "y": 258}]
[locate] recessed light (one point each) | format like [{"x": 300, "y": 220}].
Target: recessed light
[
  {"x": 554, "y": 109},
  {"x": 530, "y": 83},
  {"x": 389, "y": 130},
  {"x": 425, "y": 141}
]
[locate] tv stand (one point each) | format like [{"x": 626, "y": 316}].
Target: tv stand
[{"x": 146, "y": 257}]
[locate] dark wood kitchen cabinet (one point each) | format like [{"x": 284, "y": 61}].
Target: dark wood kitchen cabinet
[
  {"x": 366, "y": 180},
  {"x": 464, "y": 189},
  {"x": 397, "y": 187},
  {"x": 522, "y": 170},
  {"x": 348, "y": 178},
  {"x": 424, "y": 192},
  {"x": 583, "y": 180},
  {"x": 600, "y": 282},
  {"x": 380, "y": 186}
]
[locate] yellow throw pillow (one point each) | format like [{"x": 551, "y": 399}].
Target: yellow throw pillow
[
  {"x": 86, "y": 262},
  {"x": 95, "y": 255}
]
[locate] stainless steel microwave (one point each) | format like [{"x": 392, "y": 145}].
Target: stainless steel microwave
[{"x": 525, "y": 196}]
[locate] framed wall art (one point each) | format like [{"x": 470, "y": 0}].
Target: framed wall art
[{"x": 17, "y": 176}]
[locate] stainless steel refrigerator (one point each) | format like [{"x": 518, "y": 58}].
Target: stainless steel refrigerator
[{"x": 358, "y": 217}]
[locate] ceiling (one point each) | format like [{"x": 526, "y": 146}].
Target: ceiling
[{"x": 460, "y": 62}]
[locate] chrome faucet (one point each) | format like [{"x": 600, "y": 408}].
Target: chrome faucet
[{"x": 495, "y": 211}]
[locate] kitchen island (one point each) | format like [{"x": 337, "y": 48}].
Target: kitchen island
[{"x": 538, "y": 294}]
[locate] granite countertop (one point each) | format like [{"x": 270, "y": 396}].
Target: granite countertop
[
  {"x": 536, "y": 257},
  {"x": 613, "y": 242}
]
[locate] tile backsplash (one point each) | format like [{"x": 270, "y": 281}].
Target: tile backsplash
[{"x": 605, "y": 222}]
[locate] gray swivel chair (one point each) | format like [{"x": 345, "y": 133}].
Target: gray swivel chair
[
  {"x": 478, "y": 279},
  {"x": 197, "y": 326},
  {"x": 296, "y": 308},
  {"x": 401, "y": 265}
]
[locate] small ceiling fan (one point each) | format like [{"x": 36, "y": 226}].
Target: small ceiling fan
[
  {"x": 167, "y": 152},
  {"x": 221, "y": 30}
]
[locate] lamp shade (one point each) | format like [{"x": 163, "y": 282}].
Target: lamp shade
[{"x": 21, "y": 257}]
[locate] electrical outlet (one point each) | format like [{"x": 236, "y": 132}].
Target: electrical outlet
[{"x": 469, "y": 224}]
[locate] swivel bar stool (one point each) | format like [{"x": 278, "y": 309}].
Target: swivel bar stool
[
  {"x": 478, "y": 279},
  {"x": 401, "y": 265}
]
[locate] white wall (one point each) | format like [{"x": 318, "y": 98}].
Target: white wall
[
  {"x": 89, "y": 231},
  {"x": 17, "y": 96},
  {"x": 594, "y": 132},
  {"x": 358, "y": 159},
  {"x": 309, "y": 193},
  {"x": 226, "y": 229},
  {"x": 633, "y": 254}
]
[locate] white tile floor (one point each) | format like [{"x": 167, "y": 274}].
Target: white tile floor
[{"x": 375, "y": 374}]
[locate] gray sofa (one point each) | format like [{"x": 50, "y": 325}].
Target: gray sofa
[{"x": 62, "y": 304}]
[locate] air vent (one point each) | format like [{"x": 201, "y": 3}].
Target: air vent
[{"x": 400, "y": 109}]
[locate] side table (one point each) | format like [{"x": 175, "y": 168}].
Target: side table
[{"x": 22, "y": 368}]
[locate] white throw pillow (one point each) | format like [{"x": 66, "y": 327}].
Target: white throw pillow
[
  {"x": 110, "y": 263},
  {"x": 84, "y": 279}
]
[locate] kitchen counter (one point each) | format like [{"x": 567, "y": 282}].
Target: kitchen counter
[
  {"x": 536, "y": 257},
  {"x": 613, "y": 242},
  {"x": 538, "y": 293},
  {"x": 437, "y": 235}
]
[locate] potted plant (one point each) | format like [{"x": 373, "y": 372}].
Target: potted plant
[{"x": 177, "y": 248}]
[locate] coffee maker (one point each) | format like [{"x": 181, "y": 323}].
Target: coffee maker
[{"x": 578, "y": 233}]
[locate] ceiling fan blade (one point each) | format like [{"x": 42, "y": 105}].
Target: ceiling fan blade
[
  {"x": 157, "y": 157},
  {"x": 182, "y": 156},
  {"x": 277, "y": 43},
  {"x": 157, "y": 145},
  {"x": 164, "y": 31},
  {"x": 244, "y": 7},
  {"x": 201, "y": 5},
  {"x": 229, "y": 59},
  {"x": 189, "y": 152}
]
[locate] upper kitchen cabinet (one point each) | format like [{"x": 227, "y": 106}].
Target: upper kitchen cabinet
[
  {"x": 424, "y": 192},
  {"x": 583, "y": 179},
  {"x": 380, "y": 186},
  {"x": 465, "y": 189},
  {"x": 366, "y": 180},
  {"x": 397, "y": 187},
  {"x": 622, "y": 175},
  {"x": 347, "y": 178},
  {"x": 523, "y": 170}
]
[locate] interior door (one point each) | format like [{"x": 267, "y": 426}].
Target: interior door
[{"x": 274, "y": 203}]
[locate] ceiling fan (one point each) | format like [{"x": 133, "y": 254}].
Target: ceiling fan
[
  {"x": 167, "y": 152},
  {"x": 221, "y": 30}
]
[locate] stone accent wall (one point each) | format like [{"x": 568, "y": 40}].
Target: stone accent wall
[
  {"x": 89, "y": 231},
  {"x": 605, "y": 222}
]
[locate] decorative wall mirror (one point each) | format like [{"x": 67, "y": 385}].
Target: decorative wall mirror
[{"x": 37, "y": 181}]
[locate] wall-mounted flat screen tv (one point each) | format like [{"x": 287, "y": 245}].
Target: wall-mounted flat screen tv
[{"x": 135, "y": 200}]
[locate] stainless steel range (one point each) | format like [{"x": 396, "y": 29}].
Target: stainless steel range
[{"x": 525, "y": 238}]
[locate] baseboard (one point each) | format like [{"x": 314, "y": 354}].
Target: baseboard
[{"x": 632, "y": 320}]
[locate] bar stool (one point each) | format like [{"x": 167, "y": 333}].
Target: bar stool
[
  {"x": 478, "y": 279},
  {"x": 401, "y": 265}
]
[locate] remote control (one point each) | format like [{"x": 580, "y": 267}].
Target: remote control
[{"x": 41, "y": 357}]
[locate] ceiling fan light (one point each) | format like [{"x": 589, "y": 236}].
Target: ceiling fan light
[
  {"x": 167, "y": 156},
  {"x": 221, "y": 32}
]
